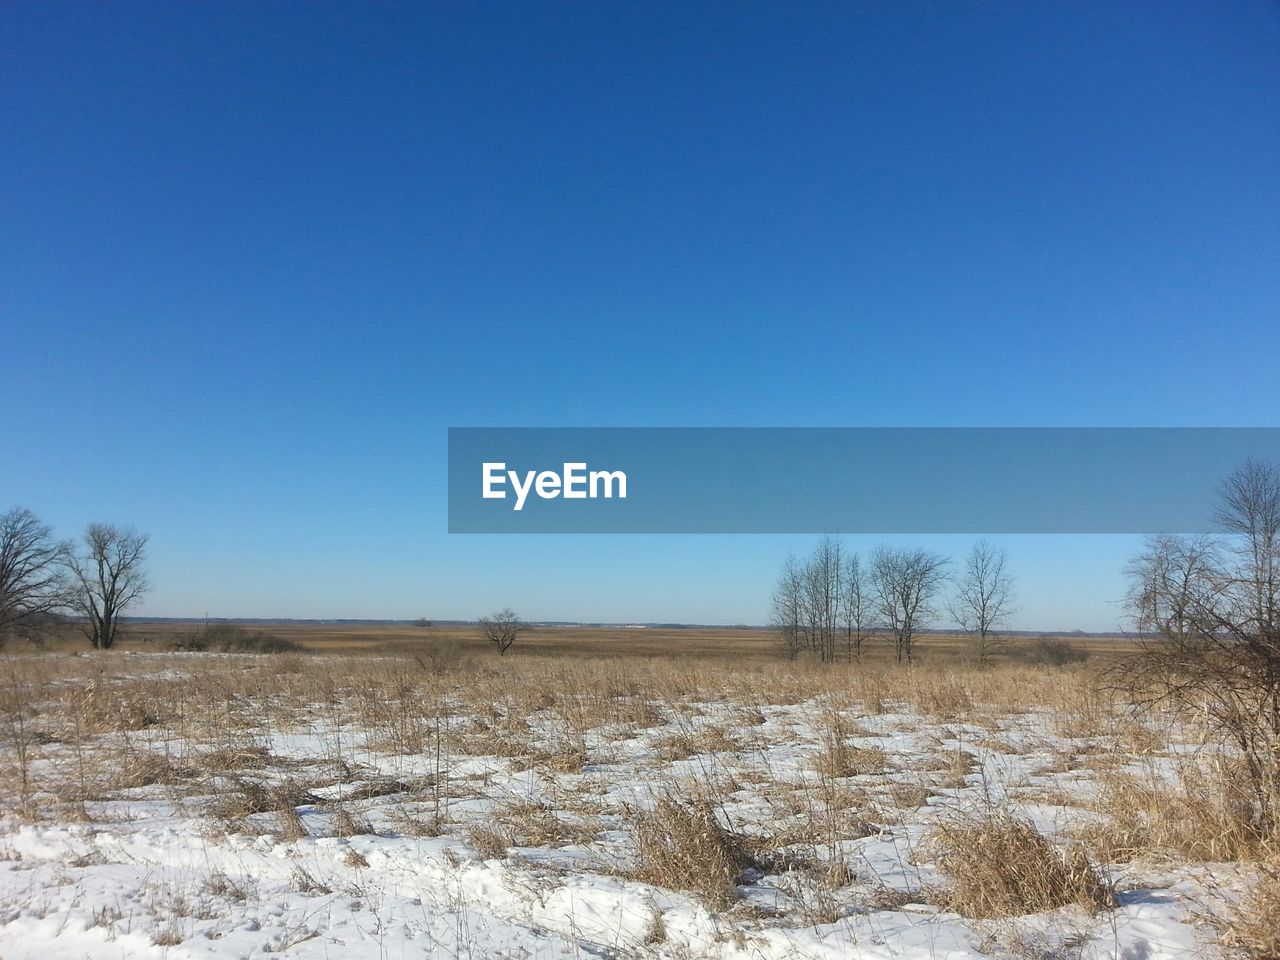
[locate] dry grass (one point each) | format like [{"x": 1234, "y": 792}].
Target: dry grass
[
  {"x": 682, "y": 845},
  {"x": 490, "y": 841},
  {"x": 1202, "y": 813},
  {"x": 144, "y": 769},
  {"x": 168, "y": 935},
  {"x": 1251, "y": 930},
  {"x": 953, "y": 766},
  {"x": 199, "y": 730},
  {"x": 999, "y": 865},
  {"x": 565, "y": 756},
  {"x": 445, "y": 646},
  {"x": 838, "y": 759},
  {"x": 348, "y": 822},
  {"x": 942, "y": 695},
  {"x": 416, "y": 822}
]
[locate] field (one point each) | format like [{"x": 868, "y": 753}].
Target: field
[
  {"x": 407, "y": 640},
  {"x": 399, "y": 791}
]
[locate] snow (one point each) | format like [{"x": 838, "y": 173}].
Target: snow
[{"x": 155, "y": 874}]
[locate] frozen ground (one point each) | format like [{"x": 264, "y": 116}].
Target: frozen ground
[{"x": 216, "y": 807}]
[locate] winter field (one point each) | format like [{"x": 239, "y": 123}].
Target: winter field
[{"x": 454, "y": 805}]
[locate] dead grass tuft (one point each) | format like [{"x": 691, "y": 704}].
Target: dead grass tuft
[
  {"x": 168, "y": 935},
  {"x": 1204, "y": 813},
  {"x": 144, "y": 769},
  {"x": 279, "y": 800},
  {"x": 564, "y": 757},
  {"x": 229, "y": 759},
  {"x": 288, "y": 824},
  {"x": 1251, "y": 930},
  {"x": 838, "y": 760},
  {"x": 943, "y": 695},
  {"x": 349, "y": 823},
  {"x": 417, "y": 823},
  {"x": 490, "y": 842},
  {"x": 306, "y": 882},
  {"x": 1000, "y": 865},
  {"x": 681, "y": 845}
]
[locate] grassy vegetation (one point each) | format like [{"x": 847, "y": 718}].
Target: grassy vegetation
[
  {"x": 1000, "y": 865},
  {"x": 613, "y": 642},
  {"x": 230, "y": 638},
  {"x": 755, "y": 771}
]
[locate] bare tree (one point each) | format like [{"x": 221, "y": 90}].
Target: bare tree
[
  {"x": 1249, "y": 510},
  {"x": 809, "y": 599},
  {"x": 108, "y": 578},
  {"x": 857, "y": 609},
  {"x": 788, "y": 607},
  {"x": 33, "y": 581},
  {"x": 1208, "y": 611},
  {"x": 823, "y": 596},
  {"x": 984, "y": 597},
  {"x": 503, "y": 629},
  {"x": 905, "y": 583},
  {"x": 1165, "y": 586}
]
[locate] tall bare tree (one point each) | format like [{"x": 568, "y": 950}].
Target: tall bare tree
[
  {"x": 109, "y": 576},
  {"x": 905, "y": 583},
  {"x": 33, "y": 580},
  {"x": 1249, "y": 510},
  {"x": 788, "y": 617},
  {"x": 823, "y": 596},
  {"x": 857, "y": 609},
  {"x": 502, "y": 629},
  {"x": 809, "y": 601},
  {"x": 1208, "y": 611},
  {"x": 984, "y": 597},
  {"x": 1166, "y": 583}
]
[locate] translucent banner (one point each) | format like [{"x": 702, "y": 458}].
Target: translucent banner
[{"x": 843, "y": 480}]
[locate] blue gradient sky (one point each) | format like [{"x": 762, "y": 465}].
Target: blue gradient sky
[{"x": 255, "y": 258}]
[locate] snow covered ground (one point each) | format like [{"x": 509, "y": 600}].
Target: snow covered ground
[{"x": 210, "y": 806}]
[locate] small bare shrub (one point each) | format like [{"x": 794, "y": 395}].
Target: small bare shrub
[
  {"x": 230, "y": 638},
  {"x": 1210, "y": 611},
  {"x": 502, "y": 629},
  {"x": 1055, "y": 652},
  {"x": 440, "y": 655}
]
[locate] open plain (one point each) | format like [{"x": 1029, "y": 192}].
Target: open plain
[{"x": 388, "y": 791}]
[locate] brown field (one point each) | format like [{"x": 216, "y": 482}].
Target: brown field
[
  {"x": 712, "y": 643},
  {"x": 405, "y": 779}
]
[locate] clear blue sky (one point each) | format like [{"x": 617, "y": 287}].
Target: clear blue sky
[{"x": 255, "y": 258}]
